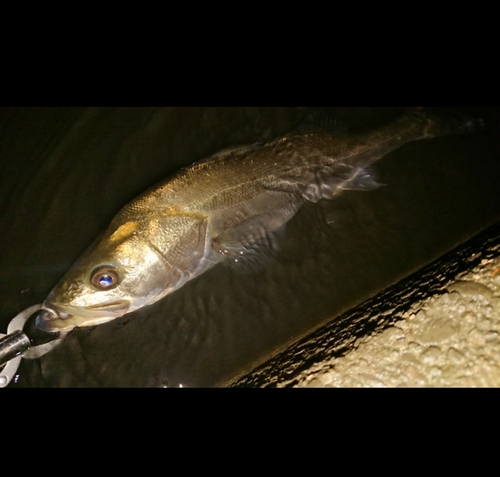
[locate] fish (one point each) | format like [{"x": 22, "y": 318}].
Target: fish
[{"x": 229, "y": 207}]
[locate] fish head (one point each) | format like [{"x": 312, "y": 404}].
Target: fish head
[{"x": 134, "y": 264}]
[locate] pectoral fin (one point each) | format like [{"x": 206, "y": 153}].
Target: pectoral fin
[{"x": 251, "y": 243}]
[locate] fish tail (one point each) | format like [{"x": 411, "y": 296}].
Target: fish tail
[
  {"x": 442, "y": 122},
  {"x": 414, "y": 125},
  {"x": 348, "y": 166}
]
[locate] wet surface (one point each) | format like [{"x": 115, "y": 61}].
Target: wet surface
[
  {"x": 440, "y": 327},
  {"x": 67, "y": 172}
]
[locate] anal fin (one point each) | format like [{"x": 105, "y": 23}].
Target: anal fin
[
  {"x": 362, "y": 179},
  {"x": 326, "y": 182}
]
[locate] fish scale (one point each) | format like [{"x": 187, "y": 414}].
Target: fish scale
[{"x": 229, "y": 207}]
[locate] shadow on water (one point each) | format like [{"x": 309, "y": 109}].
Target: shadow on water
[{"x": 68, "y": 171}]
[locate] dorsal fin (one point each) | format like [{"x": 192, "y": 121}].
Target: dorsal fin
[{"x": 321, "y": 119}]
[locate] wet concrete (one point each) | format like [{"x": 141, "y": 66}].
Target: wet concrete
[
  {"x": 68, "y": 171},
  {"x": 438, "y": 328}
]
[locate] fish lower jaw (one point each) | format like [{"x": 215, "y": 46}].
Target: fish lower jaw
[
  {"x": 66, "y": 322},
  {"x": 57, "y": 318}
]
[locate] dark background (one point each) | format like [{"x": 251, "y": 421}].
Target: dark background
[{"x": 66, "y": 171}]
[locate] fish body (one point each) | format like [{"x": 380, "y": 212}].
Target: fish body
[{"x": 228, "y": 207}]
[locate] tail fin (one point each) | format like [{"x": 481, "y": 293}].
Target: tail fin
[{"x": 444, "y": 122}]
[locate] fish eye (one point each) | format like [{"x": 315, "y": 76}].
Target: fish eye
[{"x": 105, "y": 277}]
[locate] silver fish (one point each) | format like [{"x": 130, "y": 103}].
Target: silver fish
[{"x": 228, "y": 207}]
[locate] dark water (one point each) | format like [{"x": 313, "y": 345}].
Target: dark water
[{"x": 65, "y": 173}]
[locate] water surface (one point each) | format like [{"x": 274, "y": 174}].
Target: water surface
[{"x": 68, "y": 171}]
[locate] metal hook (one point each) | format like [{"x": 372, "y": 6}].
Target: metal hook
[{"x": 16, "y": 345}]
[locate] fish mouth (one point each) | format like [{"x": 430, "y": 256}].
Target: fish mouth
[{"x": 54, "y": 317}]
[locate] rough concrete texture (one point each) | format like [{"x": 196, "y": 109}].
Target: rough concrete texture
[
  {"x": 67, "y": 171},
  {"x": 440, "y": 327}
]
